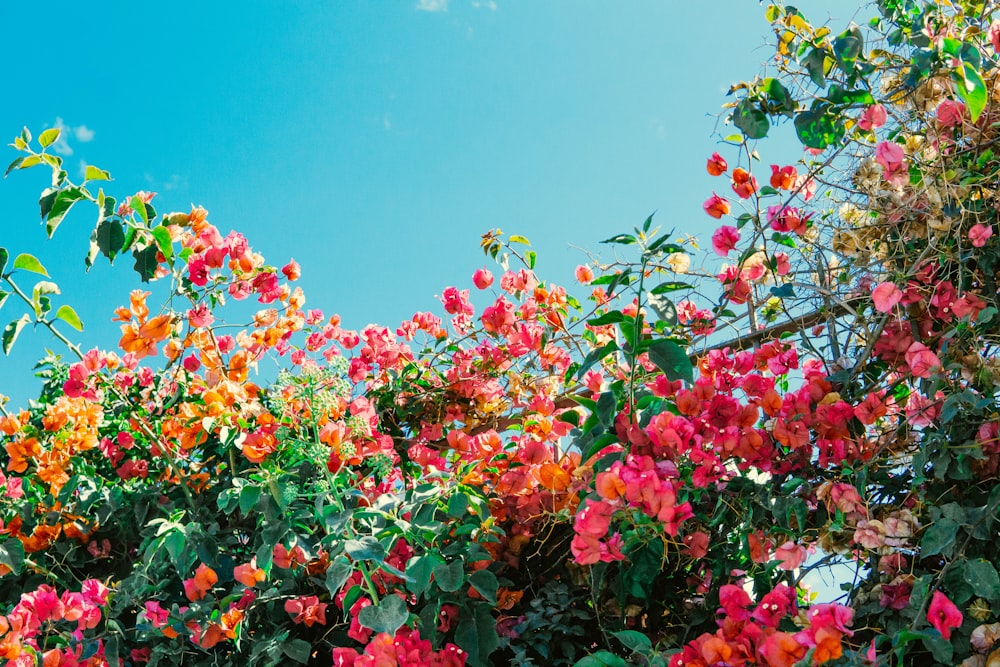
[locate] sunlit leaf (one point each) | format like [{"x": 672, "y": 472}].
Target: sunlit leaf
[
  {"x": 30, "y": 263},
  {"x": 49, "y": 137},
  {"x": 12, "y": 331},
  {"x": 69, "y": 316}
]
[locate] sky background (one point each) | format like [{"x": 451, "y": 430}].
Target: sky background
[{"x": 374, "y": 142}]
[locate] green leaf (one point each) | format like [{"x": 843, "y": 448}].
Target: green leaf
[
  {"x": 847, "y": 48},
  {"x": 12, "y": 331},
  {"x": 387, "y": 616},
  {"x": 671, "y": 358},
  {"x": 249, "y": 495},
  {"x": 3, "y": 298},
  {"x": 366, "y": 548},
  {"x": 486, "y": 583},
  {"x": 983, "y": 578},
  {"x": 61, "y": 205},
  {"x": 779, "y": 100},
  {"x": 458, "y": 505},
  {"x": 4, "y": 255},
  {"x": 663, "y": 288},
  {"x": 940, "y": 648},
  {"x": 110, "y": 238},
  {"x": 971, "y": 88},
  {"x": 450, "y": 576},
  {"x": 601, "y": 659},
  {"x": 530, "y": 258},
  {"x": 139, "y": 207},
  {"x": 815, "y": 64},
  {"x": 175, "y": 541},
  {"x": 634, "y": 641},
  {"x": 939, "y": 538},
  {"x": 298, "y": 650},
  {"x": 338, "y": 572},
  {"x": 595, "y": 356},
  {"x": 476, "y": 634},
  {"x": 145, "y": 262},
  {"x": 786, "y": 291},
  {"x": 93, "y": 173},
  {"x": 25, "y": 163},
  {"x": 517, "y": 238},
  {"x": 49, "y": 137},
  {"x": 612, "y": 317},
  {"x": 664, "y": 308},
  {"x": 621, "y": 239},
  {"x": 420, "y": 568},
  {"x": 163, "y": 241},
  {"x": 850, "y": 96},
  {"x": 751, "y": 120},
  {"x": 818, "y": 128},
  {"x": 29, "y": 263},
  {"x": 12, "y": 554},
  {"x": 607, "y": 405}
]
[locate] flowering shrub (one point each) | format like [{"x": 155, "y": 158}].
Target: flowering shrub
[{"x": 521, "y": 476}]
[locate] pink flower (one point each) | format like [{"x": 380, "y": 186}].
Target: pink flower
[
  {"x": 594, "y": 519},
  {"x": 307, "y": 609},
  {"x": 716, "y": 206},
  {"x": 94, "y": 592},
  {"x": 950, "y": 113},
  {"x": 943, "y": 614},
  {"x": 156, "y": 614},
  {"x": 482, "y": 278},
  {"x": 192, "y": 363},
  {"x": 891, "y": 157},
  {"x": 456, "y": 301},
  {"x": 995, "y": 36},
  {"x": 584, "y": 274},
  {"x": 725, "y": 239},
  {"x": 717, "y": 165},
  {"x": 873, "y": 117},
  {"x": 790, "y": 555},
  {"x": 921, "y": 360},
  {"x": 885, "y": 296},
  {"x": 979, "y": 234},
  {"x": 200, "y": 316},
  {"x": 198, "y": 270}
]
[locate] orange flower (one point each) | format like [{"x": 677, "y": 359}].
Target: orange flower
[
  {"x": 249, "y": 574},
  {"x": 157, "y": 328},
  {"x": 19, "y": 452},
  {"x": 201, "y": 583}
]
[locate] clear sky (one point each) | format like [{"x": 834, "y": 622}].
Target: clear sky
[{"x": 376, "y": 141}]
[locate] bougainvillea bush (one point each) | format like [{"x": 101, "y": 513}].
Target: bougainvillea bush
[{"x": 645, "y": 473}]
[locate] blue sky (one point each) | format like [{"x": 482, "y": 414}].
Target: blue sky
[{"x": 375, "y": 142}]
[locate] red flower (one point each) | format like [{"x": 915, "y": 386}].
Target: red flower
[
  {"x": 717, "y": 165},
  {"x": 306, "y": 609},
  {"x": 716, "y": 206},
  {"x": 943, "y": 614}
]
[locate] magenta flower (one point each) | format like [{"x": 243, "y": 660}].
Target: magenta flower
[
  {"x": 943, "y": 614},
  {"x": 979, "y": 234},
  {"x": 725, "y": 239},
  {"x": 885, "y": 296}
]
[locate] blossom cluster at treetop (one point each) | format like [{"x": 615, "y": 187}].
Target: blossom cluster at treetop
[{"x": 648, "y": 467}]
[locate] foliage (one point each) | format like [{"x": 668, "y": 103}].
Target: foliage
[{"x": 549, "y": 480}]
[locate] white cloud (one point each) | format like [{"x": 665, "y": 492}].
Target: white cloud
[
  {"x": 432, "y": 5},
  {"x": 485, "y": 4},
  {"x": 387, "y": 121},
  {"x": 81, "y": 133}
]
